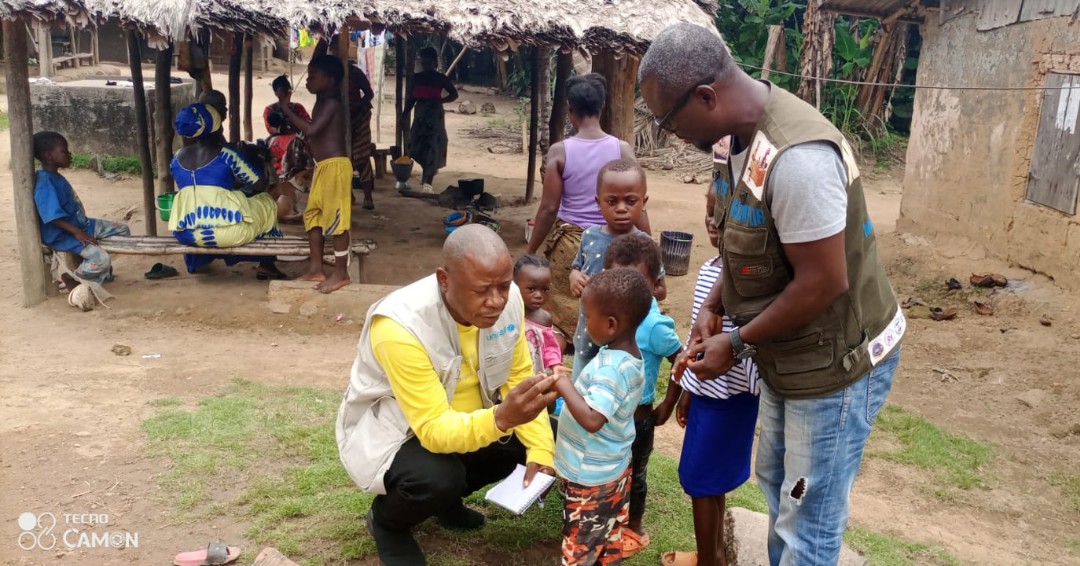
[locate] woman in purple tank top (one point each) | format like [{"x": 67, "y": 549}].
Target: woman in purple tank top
[{"x": 568, "y": 205}]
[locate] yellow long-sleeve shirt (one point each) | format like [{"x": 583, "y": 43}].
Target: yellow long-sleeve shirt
[{"x": 462, "y": 425}]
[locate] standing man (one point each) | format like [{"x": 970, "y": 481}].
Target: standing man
[
  {"x": 801, "y": 281},
  {"x": 442, "y": 400}
]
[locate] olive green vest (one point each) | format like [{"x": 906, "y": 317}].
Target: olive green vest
[{"x": 863, "y": 325}]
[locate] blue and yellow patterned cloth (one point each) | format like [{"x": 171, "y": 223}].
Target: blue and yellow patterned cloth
[{"x": 197, "y": 120}]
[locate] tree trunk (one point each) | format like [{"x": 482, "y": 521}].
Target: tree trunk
[
  {"x": 818, "y": 36},
  {"x": 617, "y": 117},
  {"x": 543, "y": 76},
  {"x": 235, "y": 57},
  {"x": 36, "y": 280},
  {"x": 557, "y": 126},
  {"x": 888, "y": 53},
  {"x": 163, "y": 118},
  {"x": 776, "y": 41},
  {"x": 142, "y": 132}
]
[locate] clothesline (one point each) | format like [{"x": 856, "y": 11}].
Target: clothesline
[{"x": 905, "y": 85}]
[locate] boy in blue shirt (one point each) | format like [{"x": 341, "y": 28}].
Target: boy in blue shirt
[
  {"x": 596, "y": 430},
  {"x": 656, "y": 338},
  {"x": 64, "y": 224}
]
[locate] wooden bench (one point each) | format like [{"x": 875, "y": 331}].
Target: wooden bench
[
  {"x": 167, "y": 245},
  {"x": 71, "y": 60},
  {"x": 381, "y": 157}
]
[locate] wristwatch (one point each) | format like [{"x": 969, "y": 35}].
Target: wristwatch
[{"x": 742, "y": 350}]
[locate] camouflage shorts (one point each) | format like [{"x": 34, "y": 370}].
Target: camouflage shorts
[{"x": 591, "y": 519}]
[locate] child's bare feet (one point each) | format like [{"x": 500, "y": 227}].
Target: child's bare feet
[
  {"x": 313, "y": 276},
  {"x": 332, "y": 284}
]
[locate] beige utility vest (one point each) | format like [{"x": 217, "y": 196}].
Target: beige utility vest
[
  {"x": 371, "y": 426},
  {"x": 863, "y": 325}
]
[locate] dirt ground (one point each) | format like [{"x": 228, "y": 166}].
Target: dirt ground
[{"x": 72, "y": 409}]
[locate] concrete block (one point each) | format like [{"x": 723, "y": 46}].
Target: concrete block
[
  {"x": 272, "y": 557},
  {"x": 749, "y": 536},
  {"x": 299, "y": 298}
]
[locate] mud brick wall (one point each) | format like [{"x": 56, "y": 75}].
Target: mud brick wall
[{"x": 970, "y": 151}]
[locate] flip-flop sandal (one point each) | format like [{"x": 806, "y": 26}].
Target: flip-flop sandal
[
  {"x": 983, "y": 308},
  {"x": 939, "y": 314},
  {"x": 675, "y": 558},
  {"x": 633, "y": 543},
  {"x": 267, "y": 275},
  {"x": 161, "y": 271},
  {"x": 214, "y": 553},
  {"x": 988, "y": 280}
]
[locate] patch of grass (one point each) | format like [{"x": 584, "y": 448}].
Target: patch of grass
[
  {"x": 955, "y": 458},
  {"x": 504, "y": 123},
  {"x": 166, "y": 402},
  {"x": 748, "y": 496},
  {"x": 885, "y": 550},
  {"x": 109, "y": 163},
  {"x": 4, "y": 120},
  {"x": 1070, "y": 487},
  {"x": 1074, "y": 546},
  {"x": 888, "y": 149}
]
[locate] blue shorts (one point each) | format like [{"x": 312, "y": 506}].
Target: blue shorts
[{"x": 716, "y": 450}]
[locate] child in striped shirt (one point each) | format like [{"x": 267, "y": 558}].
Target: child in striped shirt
[{"x": 719, "y": 416}]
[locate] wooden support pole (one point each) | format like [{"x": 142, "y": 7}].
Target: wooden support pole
[
  {"x": 617, "y": 117},
  {"x": 399, "y": 90},
  {"x": 343, "y": 52},
  {"x": 163, "y": 118},
  {"x": 406, "y": 119},
  {"x": 235, "y": 57},
  {"x": 44, "y": 47},
  {"x": 543, "y": 76},
  {"x": 775, "y": 41},
  {"x": 534, "y": 124},
  {"x": 94, "y": 45},
  {"x": 32, "y": 270},
  {"x": 142, "y": 131},
  {"x": 563, "y": 66},
  {"x": 249, "y": 94}
]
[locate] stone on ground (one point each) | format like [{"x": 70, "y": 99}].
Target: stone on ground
[{"x": 747, "y": 534}]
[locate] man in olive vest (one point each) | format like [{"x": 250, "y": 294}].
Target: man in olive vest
[
  {"x": 801, "y": 281},
  {"x": 442, "y": 399}
]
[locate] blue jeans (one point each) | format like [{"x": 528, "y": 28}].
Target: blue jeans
[{"x": 809, "y": 453}]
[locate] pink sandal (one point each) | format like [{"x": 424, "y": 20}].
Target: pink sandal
[{"x": 215, "y": 553}]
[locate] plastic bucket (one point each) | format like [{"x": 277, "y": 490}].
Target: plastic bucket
[
  {"x": 164, "y": 205},
  {"x": 676, "y": 251}
]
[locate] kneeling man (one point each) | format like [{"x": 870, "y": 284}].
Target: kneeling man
[{"x": 442, "y": 400}]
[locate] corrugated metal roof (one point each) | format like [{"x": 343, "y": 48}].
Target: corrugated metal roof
[{"x": 873, "y": 8}]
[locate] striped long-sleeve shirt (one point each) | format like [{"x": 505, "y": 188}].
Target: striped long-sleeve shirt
[{"x": 743, "y": 377}]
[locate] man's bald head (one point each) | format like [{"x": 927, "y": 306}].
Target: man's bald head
[
  {"x": 684, "y": 54},
  {"x": 476, "y": 275},
  {"x": 473, "y": 241}
]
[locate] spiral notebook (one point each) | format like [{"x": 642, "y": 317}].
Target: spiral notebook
[{"x": 510, "y": 494}]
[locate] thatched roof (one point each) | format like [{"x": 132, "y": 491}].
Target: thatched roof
[
  {"x": 157, "y": 19},
  {"x": 592, "y": 25}
]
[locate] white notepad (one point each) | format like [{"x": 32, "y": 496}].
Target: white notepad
[{"x": 511, "y": 495}]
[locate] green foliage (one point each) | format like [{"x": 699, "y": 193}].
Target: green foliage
[
  {"x": 109, "y": 163},
  {"x": 745, "y": 26},
  {"x": 4, "y": 121}
]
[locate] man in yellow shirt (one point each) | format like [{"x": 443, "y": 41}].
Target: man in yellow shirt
[{"x": 442, "y": 400}]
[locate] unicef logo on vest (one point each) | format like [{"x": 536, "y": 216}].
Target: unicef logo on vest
[
  {"x": 40, "y": 532},
  {"x": 501, "y": 332}
]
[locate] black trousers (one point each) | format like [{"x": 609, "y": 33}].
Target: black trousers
[
  {"x": 639, "y": 463},
  {"x": 420, "y": 484}
]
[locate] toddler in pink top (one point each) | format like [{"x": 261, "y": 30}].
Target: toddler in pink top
[{"x": 532, "y": 274}]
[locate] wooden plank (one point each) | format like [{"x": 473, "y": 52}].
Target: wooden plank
[
  {"x": 1042, "y": 9},
  {"x": 32, "y": 270},
  {"x": 1054, "y": 176},
  {"x": 166, "y": 245},
  {"x": 998, "y": 13},
  {"x": 142, "y": 131}
]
